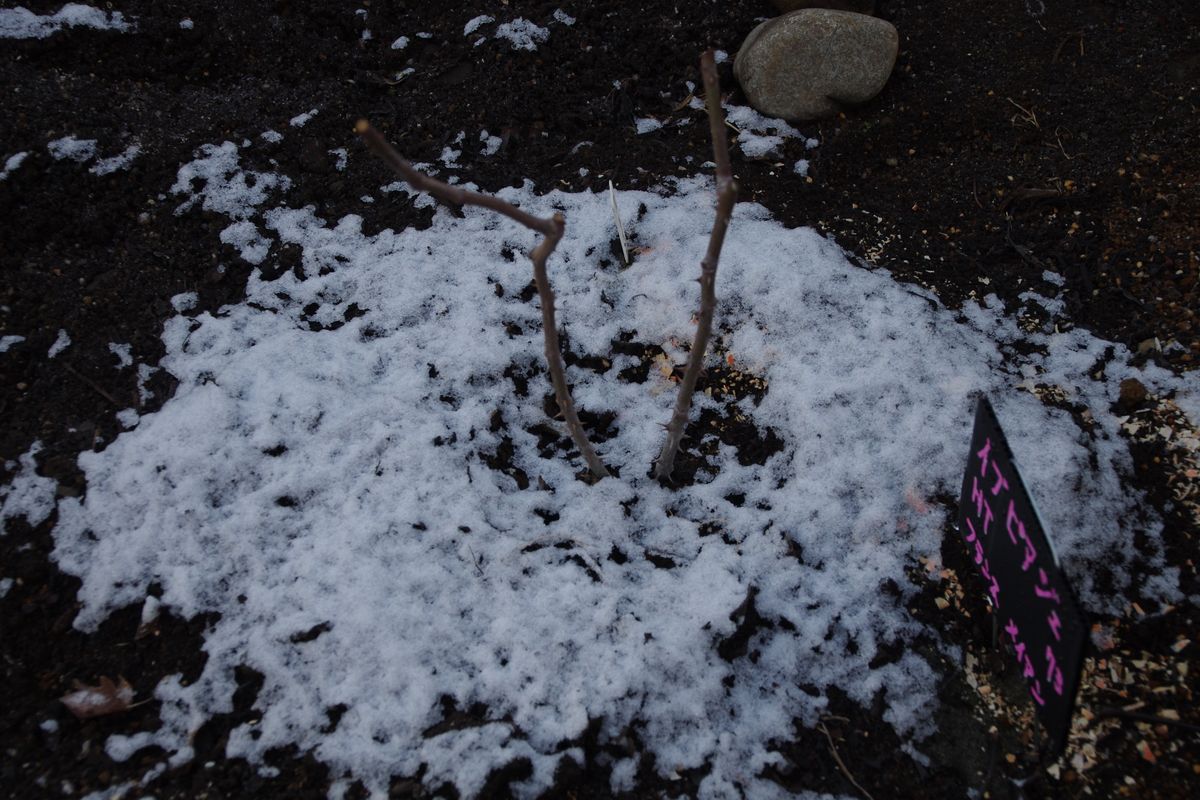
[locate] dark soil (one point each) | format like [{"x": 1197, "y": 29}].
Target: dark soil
[{"x": 1014, "y": 137}]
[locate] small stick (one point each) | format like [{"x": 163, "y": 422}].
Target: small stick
[
  {"x": 92, "y": 384},
  {"x": 1108, "y": 711},
  {"x": 841, "y": 764},
  {"x": 551, "y": 230},
  {"x": 726, "y": 196}
]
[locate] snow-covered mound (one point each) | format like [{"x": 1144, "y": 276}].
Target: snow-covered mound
[{"x": 320, "y": 481}]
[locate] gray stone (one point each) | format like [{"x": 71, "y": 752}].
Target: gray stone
[
  {"x": 857, "y": 6},
  {"x": 808, "y": 63}
]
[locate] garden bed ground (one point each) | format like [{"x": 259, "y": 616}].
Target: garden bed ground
[{"x": 1015, "y": 139}]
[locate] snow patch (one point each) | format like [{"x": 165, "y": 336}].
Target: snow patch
[
  {"x": 121, "y": 161},
  {"x": 184, "y": 301},
  {"x": 61, "y": 343},
  {"x": 400, "y": 43},
  {"x": 491, "y": 144},
  {"x": 29, "y": 495},
  {"x": 226, "y": 188},
  {"x": 647, "y": 125},
  {"x": 123, "y": 352},
  {"x": 292, "y": 485},
  {"x": 251, "y": 245},
  {"x": 8, "y": 341},
  {"x": 300, "y": 120},
  {"x": 78, "y": 150},
  {"x": 11, "y": 164},
  {"x": 21, "y": 23},
  {"x": 522, "y": 34},
  {"x": 476, "y": 23}
]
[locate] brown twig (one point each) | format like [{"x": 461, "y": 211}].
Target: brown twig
[
  {"x": 92, "y": 384},
  {"x": 551, "y": 230},
  {"x": 842, "y": 764},
  {"x": 726, "y": 196},
  {"x": 1108, "y": 711}
]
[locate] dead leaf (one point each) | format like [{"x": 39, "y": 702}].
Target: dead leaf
[
  {"x": 915, "y": 501},
  {"x": 96, "y": 701}
]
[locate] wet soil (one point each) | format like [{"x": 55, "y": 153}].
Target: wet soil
[{"x": 1015, "y": 137}]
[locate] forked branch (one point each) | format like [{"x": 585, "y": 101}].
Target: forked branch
[
  {"x": 726, "y": 196},
  {"x": 551, "y": 230}
]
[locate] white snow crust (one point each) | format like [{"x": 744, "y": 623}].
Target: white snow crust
[
  {"x": 758, "y": 136},
  {"x": 475, "y": 23},
  {"x": 21, "y": 23},
  {"x": 645, "y": 125},
  {"x": 78, "y": 150},
  {"x": 123, "y": 352},
  {"x": 491, "y": 144},
  {"x": 61, "y": 342},
  {"x": 522, "y": 34},
  {"x": 12, "y": 163},
  {"x": 122, "y": 160},
  {"x": 29, "y": 495},
  {"x": 337, "y": 478},
  {"x": 300, "y": 120}
]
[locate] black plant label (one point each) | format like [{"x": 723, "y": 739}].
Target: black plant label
[{"x": 1029, "y": 593}]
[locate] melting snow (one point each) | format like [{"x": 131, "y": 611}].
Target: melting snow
[
  {"x": 476, "y": 23},
  {"x": 78, "y": 150},
  {"x": 11, "y": 164},
  {"x": 121, "y": 161},
  {"x": 491, "y": 144},
  {"x": 123, "y": 352},
  {"x": 324, "y": 471},
  {"x": 29, "y": 496},
  {"x": 647, "y": 125},
  {"x": 359, "y": 511},
  {"x": 21, "y": 23},
  {"x": 342, "y": 155},
  {"x": 300, "y": 120},
  {"x": 523, "y": 34},
  {"x": 61, "y": 343}
]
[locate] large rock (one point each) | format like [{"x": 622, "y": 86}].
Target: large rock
[
  {"x": 857, "y": 6},
  {"x": 808, "y": 63}
]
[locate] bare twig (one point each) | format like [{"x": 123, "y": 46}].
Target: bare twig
[
  {"x": 726, "y": 195},
  {"x": 1108, "y": 711},
  {"x": 95, "y": 386},
  {"x": 551, "y": 230},
  {"x": 841, "y": 764}
]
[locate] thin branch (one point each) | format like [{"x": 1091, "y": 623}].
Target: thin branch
[
  {"x": 842, "y": 764},
  {"x": 1109, "y": 711},
  {"x": 92, "y": 384},
  {"x": 551, "y": 230},
  {"x": 726, "y": 196}
]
